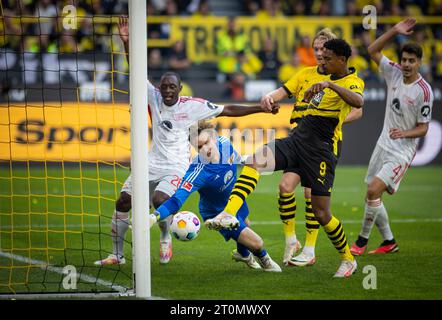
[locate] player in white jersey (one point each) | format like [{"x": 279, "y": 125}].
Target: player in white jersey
[
  {"x": 172, "y": 117},
  {"x": 407, "y": 116}
]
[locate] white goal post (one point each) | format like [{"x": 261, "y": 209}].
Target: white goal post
[{"x": 139, "y": 147}]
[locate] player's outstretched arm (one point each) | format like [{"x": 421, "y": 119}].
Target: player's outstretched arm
[
  {"x": 235, "y": 110},
  {"x": 123, "y": 30},
  {"x": 268, "y": 100},
  {"x": 353, "y": 115},
  {"x": 404, "y": 27}
]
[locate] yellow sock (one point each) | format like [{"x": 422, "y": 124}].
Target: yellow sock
[
  {"x": 244, "y": 186},
  {"x": 311, "y": 224},
  {"x": 287, "y": 213},
  {"x": 336, "y": 234}
]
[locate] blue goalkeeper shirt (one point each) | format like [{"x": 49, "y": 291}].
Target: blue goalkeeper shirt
[{"x": 214, "y": 182}]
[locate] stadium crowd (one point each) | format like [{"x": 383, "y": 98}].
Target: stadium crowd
[{"x": 235, "y": 63}]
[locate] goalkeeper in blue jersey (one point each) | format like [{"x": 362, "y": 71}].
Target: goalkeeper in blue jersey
[{"x": 213, "y": 173}]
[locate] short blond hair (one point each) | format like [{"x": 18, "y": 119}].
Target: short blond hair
[{"x": 325, "y": 35}]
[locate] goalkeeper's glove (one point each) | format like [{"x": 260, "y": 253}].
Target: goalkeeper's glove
[{"x": 153, "y": 218}]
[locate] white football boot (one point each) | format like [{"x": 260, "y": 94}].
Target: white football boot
[
  {"x": 111, "y": 259},
  {"x": 249, "y": 261},
  {"x": 346, "y": 269},
  {"x": 290, "y": 249},
  {"x": 268, "y": 264}
]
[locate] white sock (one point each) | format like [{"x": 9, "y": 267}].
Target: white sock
[
  {"x": 120, "y": 224},
  {"x": 383, "y": 224},
  {"x": 291, "y": 240},
  {"x": 372, "y": 210},
  {"x": 310, "y": 251},
  {"x": 164, "y": 228}
]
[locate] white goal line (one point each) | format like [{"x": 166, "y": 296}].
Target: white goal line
[{"x": 44, "y": 266}]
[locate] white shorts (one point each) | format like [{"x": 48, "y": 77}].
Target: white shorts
[
  {"x": 387, "y": 167},
  {"x": 167, "y": 183}
]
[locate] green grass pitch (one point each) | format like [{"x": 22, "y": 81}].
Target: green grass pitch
[{"x": 203, "y": 269}]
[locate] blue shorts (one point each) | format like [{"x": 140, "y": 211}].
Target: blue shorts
[{"x": 241, "y": 215}]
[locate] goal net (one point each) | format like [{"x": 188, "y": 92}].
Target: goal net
[{"x": 64, "y": 147}]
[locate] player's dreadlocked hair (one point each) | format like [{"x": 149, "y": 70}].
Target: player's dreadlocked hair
[
  {"x": 340, "y": 47},
  {"x": 324, "y": 35}
]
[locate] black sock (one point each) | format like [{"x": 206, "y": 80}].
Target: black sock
[{"x": 361, "y": 241}]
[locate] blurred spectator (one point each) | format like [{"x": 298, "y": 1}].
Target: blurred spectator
[
  {"x": 422, "y": 37},
  {"x": 438, "y": 60},
  {"x": 186, "y": 90},
  {"x": 171, "y": 10},
  {"x": 230, "y": 42},
  {"x": 193, "y": 6},
  {"x": 351, "y": 9},
  {"x": 203, "y": 9},
  {"x": 235, "y": 87},
  {"x": 46, "y": 12},
  {"x": 269, "y": 58},
  {"x": 178, "y": 57},
  {"x": 359, "y": 63},
  {"x": 67, "y": 42},
  {"x": 158, "y": 5},
  {"x": 435, "y": 8},
  {"x": 249, "y": 64},
  {"x": 324, "y": 8},
  {"x": 155, "y": 61},
  {"x": 338, "y": 7},
  {"x": 305, "y": 52},
  {"x": 269, "y": 8},
  {"x": 251, "y": 6},
  {"x": 287, "y": 70}
]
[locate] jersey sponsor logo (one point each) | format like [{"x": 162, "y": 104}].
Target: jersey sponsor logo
[
  {"x": 425, "y": 111},
  {"x": 353, "y": 86},
  {"x": 187, "y": 186},
  {"x": 180, "y": 116}
]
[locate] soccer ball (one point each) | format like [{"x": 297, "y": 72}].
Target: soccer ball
[{"x": 185, "y": 226}]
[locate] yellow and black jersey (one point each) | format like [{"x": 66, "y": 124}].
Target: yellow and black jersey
[
  {"x": 326, "y": 112},
  {"x": 297, "y": 85}
]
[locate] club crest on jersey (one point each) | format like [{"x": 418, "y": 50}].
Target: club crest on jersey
[
  {"x": 166, "y": 124},
  {"x": 316, "y": 100},
  {"x": 396, "y": 104},
  {"x": 228, "y": 176},
  {"x": 187, "y": 186}
]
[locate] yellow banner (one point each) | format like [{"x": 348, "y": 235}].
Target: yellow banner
[
  {"x": 200, "y": 34},
  {"x": 101, "y": 132},
  {"x": 72, "y": 132}
]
